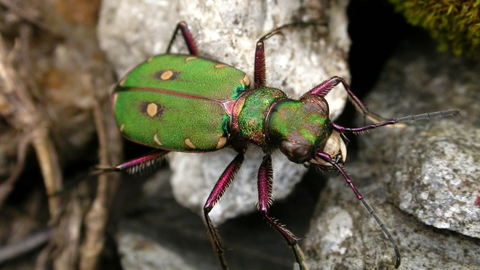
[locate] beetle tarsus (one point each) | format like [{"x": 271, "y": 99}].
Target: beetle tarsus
[{"x": 299, "y": 257}]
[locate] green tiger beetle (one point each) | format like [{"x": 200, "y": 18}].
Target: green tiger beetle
[{"x": 222, "y": 110}]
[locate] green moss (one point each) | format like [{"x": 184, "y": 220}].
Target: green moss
[{"x": 454, "y": 23}]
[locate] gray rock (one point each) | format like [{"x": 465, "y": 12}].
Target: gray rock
[
  {"x": 344, "y": 236},
  {"x": 161, "y": 234},
  {"x": 439, "y": 181},
  {"x": 143, "y": 253},
  {"x": 422, "y": 179},
  {"x": 432, "y": 165}
]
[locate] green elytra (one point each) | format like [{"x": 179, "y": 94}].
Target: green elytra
[{"x": 187, "y": 103}]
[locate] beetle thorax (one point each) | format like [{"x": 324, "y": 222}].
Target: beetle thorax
[{"x": 250, "y": 114}]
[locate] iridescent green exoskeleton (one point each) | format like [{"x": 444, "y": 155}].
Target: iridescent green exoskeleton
[{"x": 187, "y": 103}]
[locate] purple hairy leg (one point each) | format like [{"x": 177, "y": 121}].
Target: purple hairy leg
[
  {"x": 220, "y": 187},
  {"x": 131, "y": 167},
  {"x": 141, "y": 160},
  {"x": 326, "y": 157},
  {"x": 259, "y": 71},
  {"x": 135, "y": 165},
  {"x": 187, "y": 36},
  {"x": 264, "y": 183},
  {"x": 259, "y": 76}
]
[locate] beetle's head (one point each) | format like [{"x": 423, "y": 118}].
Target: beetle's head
[
  {"x": 299, "y": 152},
  {"x": 301, "y": 129}
]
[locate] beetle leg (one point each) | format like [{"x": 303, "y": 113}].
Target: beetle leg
[
  {"x": 324, "y": 88},
  {"x": 220, "y": 187},
  {"x": 259, "y": 67},
  {"x": 326, "y": 157},
  {"x": 134, "y": 166},
  {"x": 264, "y": 183},
  {"x": 187, "y": 36},
  {"x": 259, "y": 76},
  {"x": 137, "y": 165}
]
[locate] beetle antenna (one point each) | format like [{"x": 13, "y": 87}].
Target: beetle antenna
[
  {"x": 426, "y": 116},
  {"x": 423, "y": 116}
]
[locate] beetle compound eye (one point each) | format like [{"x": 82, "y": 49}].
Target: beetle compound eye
[{"x": 297, "y": 153}]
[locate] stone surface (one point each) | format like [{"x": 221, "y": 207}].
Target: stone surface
[
  {"x": 157, "y": 228},
  {"x": 131, "y": 31},
  {"x": 141, "y": 252},
  {"x": 439, "y": 182},
  {"x": 432, "y": 164},
  {"x": 344, "y": 236},
  {"x": 421, "y": 179}
]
